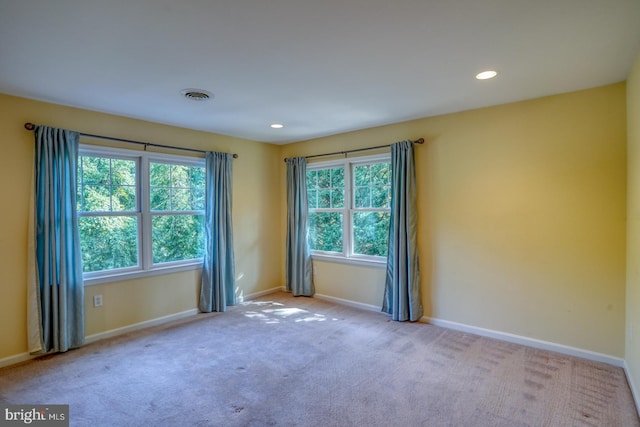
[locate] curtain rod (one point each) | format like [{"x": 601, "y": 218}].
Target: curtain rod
[
  {"x": 31, "y": 126},
  {"x": 417, "y": 141}
]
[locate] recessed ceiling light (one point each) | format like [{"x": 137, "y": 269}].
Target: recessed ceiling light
[
  {"x": 196, "y": 94},
  {"x": 489, "y": 74},
  {"x": 277, "y": 126}
]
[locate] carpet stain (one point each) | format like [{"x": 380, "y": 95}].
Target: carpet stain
[
  {"x": 490, "y": 361},
  {"x": 237, "y": 409},
  {"x": 537, "y": 373},
  {"x": 533, "y": 384},
  {"x": 435, "y": 362}
]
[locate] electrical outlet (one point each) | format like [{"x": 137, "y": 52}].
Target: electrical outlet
[{"x": 97, "y": 300}]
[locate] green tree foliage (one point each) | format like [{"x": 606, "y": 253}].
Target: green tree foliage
[
  {"x": 370, "y": 233},
  {"x": 325, "y": 231},
  {"x": 108, "y": 242},
  {"x": 177, "y": 237}
]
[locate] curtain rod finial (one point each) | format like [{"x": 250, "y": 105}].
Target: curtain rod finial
[
  {"x": 235, "y": 156},
  {"x": 29, "y": 126},
  {"x": 420, "y": 141}
]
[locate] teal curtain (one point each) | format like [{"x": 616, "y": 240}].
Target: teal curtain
[
  {"x": 56, "y": 305},
  {"x": 217, "y": 290},
  {"x": 402, "y": 297},
  {"x": 299, "y": 268}
]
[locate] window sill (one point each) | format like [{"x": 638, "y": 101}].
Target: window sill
[
  {"x": 352, "y": 261},
  {"x": 129, "y": 275}
]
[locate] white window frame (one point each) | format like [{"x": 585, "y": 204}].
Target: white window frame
[
  {"x": 347, "y": 256},
  {"x": 145, "y": 267}
]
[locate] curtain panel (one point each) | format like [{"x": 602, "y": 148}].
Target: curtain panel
[
  {"x": 299, "y": 268},
  {"x": 55, "y": 288},
  {"x": 402, "y": 296},
  {"x": 217, "y": 289}
]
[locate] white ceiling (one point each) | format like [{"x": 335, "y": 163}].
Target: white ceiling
[{"x": 320, "y": 67}]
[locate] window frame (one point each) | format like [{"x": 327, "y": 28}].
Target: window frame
[
  {"x": 347, "y": 255},
  {"x": 143, "y": 214}
]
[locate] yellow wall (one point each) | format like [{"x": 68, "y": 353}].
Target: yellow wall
[
  {"x": 632, "y": 354},
  {"x": 521, "y": 217},
  {"x": 257, "y": 242}
]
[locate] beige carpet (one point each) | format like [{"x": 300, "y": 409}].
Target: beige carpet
[{"x": 283, "y": 361}]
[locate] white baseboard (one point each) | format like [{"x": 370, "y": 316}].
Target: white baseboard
[
  {"x": 23, "y": 357},
  {"x": 530, "y": 342},
  {"x": 634, "y": 391},
  {"x": 503, "y": 336},
  {"x": 18, "y": 358},
  {"x": 258, "y": 294},
  {"x": 350, "y": 303},
  {"x": 137, "y": 326}
]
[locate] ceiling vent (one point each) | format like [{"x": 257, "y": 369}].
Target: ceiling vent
[{"x": 196, "y": 94}]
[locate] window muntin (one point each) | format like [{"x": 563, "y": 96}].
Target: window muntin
[
  {"x": 349, "y": 203},
  {"x": 139, "y": 211}
]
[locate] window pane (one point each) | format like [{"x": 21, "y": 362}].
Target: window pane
[
  {"x": 324, "y": 178},
  {"x": 361, "y": 175},
  {"x": 337, "y": 177},
  {"x": 380, "y": 173},
  {"x": 181, "y": 199},
  {"x": 337, "y": 198},
  {"x": 176, "y": 187},
  {"x": 160, "y": 175},
  {"x": 106, "y": 185},
  {"x": 124, "y": 198},
  {"x": 160, "y": 197},
  {"x": 325, "y": 188},
  {"x": 177, "y": 237},
  {"x": 381, "y": 197},
  {"x": 311, "y": 196},
  {"x": 324, "y": 198},
  {"x": 197, "y": 177},
  {"x": 180, "y": 176},
  {"x": 312, "y": 179},
  {"x": 108, "y": 242},
  {"x": 96, "y": 198},
  {"x": 363, "y": 197},
  {"x": 370, "y": 233},
  {"x": 197, "y": 202},
  {"x": 95, "y": 170},
  {"x": 123, "y": 172},
  {"x": 325, "y": 231}
]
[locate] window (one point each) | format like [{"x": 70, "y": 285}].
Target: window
[
  {"x": 139, "y": 212},
  {"x": 349, "y": 208}
]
